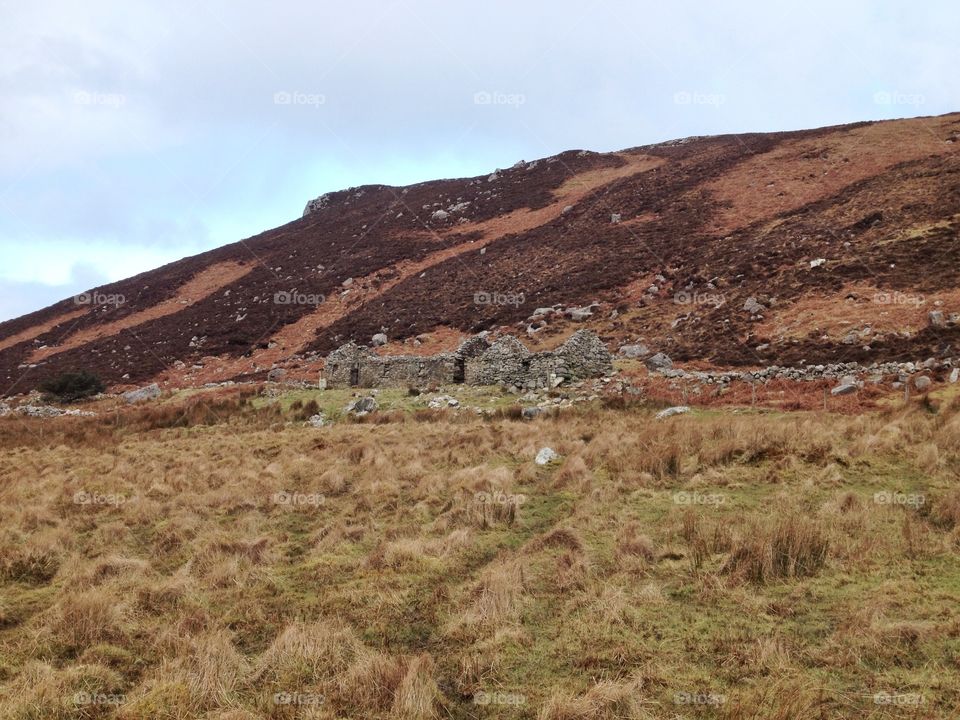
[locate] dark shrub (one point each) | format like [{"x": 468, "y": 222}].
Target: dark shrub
[{"x": 70, "y": 387}]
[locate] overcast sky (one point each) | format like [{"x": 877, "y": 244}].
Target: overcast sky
[{"x": 136, "y": 133}]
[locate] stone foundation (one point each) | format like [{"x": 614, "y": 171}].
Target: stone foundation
[{"x": 476, "y": 362}]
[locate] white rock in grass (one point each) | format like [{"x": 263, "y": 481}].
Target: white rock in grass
[
  {"x": 546, "y": 456},
  {"x": 671, "y": 411}
]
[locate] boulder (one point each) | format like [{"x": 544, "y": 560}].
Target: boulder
[
  {"x": 844, "y": 389},
  {"x": 317, "y": 420},
  {"x": 362, "y": 406},
  {"x": 529, "y": 413},
  {"x": 379, "y": 339},
  {"x": 546, "y": 456},
  {"x": 636, "y": 350},
  {"x": 143, "y": 394},
  {"x": 671, "y": 411},
  {"x": 753, "y": 306},
  {"x": 276, "y": 375},
  {"x": 922, "y": 382},
  {"x": 936, "y": 319},
  {"x": 954, "y": 375},
  {"x": 660, "y": 361}
]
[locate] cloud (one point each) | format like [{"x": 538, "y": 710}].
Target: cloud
[{"x": 162, "y": 129}]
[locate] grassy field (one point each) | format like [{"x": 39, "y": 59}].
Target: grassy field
[{"x": 211, "y": 557}]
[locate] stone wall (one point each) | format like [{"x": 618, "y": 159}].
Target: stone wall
[{"x": 476, "y": 362}]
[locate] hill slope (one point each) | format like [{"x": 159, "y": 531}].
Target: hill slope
[{"x": 671, "y": 240}]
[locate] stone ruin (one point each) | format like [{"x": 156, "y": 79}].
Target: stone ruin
[{"x": 477, "y": 361}]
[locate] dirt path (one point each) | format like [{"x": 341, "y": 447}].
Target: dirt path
[{"x": 200, "y": 286}]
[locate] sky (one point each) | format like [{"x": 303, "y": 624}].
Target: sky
[{"x": 135, "y": 133}]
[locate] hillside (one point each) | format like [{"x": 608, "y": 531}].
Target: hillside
[{"x": 844, "y": 237}]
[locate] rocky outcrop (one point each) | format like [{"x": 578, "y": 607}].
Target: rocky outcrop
[{"x": 143, "y": 394}]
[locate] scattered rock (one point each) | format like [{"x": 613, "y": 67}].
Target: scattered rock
[
  {"x": 579, "y": 314},
  {"x": 936, "y": 319},
  {"x": 441, "y": 401},
  {"x": 379, "y": 339},
  {"x": 142, "y": 394},
  {"x": 922, "y": 382},
  {"x": 546, "y": 456},
  {"x": 615, "y": 218},
  {"x": 317, "y": 421},
  {"x": 276, "y": 375},
  {"x": 440, "y": 215},
  {"x": 954, "y": 375},
  {"x": 844, "y": 389},
  {"x": 817, "y": 263},
  {"x": 529, "y": 413}
]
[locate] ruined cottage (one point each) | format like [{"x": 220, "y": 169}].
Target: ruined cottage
[{"x": 505, "y": 362}]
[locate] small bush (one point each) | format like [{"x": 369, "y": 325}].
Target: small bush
[{"x": 70, "y": 387}]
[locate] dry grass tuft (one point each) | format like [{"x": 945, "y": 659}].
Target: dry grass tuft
[
  {"x": 87, "y": 618},
  {"x": 304, "y": 653},
  {"x": 604, "y": 701},
  {"x": 373, "y": 680},
  {"x": 791, "y": 546},
  {"x": 418, "y": 696},
  {"x": 631, "y": 543}
]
